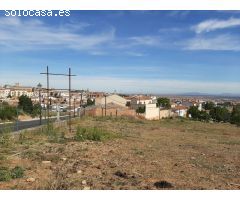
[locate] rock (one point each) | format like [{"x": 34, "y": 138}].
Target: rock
[
  {"x": 84, "y": 182},
  {"x": 64, "y": 159},
  {"x": 68, "y": 175},
  {"x": 121, "y": 174},
  {"x": 163, "y": 184},
  {"x": 193, "y": 158},
  {"x": 46, "y": 162},
  {"x": 86, "y": 188},
  {"x": 79, "y": 171},
  {"x": 31, "y": 180}
]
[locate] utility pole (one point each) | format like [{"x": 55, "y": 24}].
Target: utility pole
[
  {"x": 81, "y": 100},
  {"x": 74, "y": 107},
  {"x": 105, "y": 105},
  {"x": 17, "y": 120},
  {"x": 159, "y": 112},
  {"x": 69, "y": 78},
  {"x": 69, "y": 90},
  {"x": 47, "y": 98},
  {"x": 39, "y": 86}
]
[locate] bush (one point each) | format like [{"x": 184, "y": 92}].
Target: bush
[
  {"x": 198, "y": 115},
  {"x": 7, "y": 112},
  {"x": 141, "y": 109},
  {"x": 17, "y": 172},
  {"x": 93, "y": 134},
  {"x": 5, "y": 136},
  {"x": 5, "y": 174},
  {"x": 235, "y": 116},
  {"x": 220, "y": 114}
]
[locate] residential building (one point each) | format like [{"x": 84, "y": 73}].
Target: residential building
[
  {"x": 152, "y": 112},
  {"x": 180, "y": 111}
]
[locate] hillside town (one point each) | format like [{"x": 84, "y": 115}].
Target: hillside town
[{"x": 94, "y": 103}]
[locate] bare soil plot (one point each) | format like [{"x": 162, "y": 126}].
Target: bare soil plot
[{"x": 132, "y": 154}]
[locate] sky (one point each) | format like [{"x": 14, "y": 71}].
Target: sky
[{"x": 163, "y": 52}]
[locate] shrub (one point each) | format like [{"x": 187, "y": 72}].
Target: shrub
[
  {"x": 220, "y": 114},
  {"x": 7, "y": 112},
  {"x": 5, "y": 174},
  {"x": 17, "y": 172},
  {"x": 93, "y": 134},
  {"x": 235, "y": 116},
  {"x": 5, "y": 139}
]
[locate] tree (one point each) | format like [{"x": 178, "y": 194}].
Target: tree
[
  {"x": 36, "y": 110},
  {"x": 194, "y": 112},
  {"x": 163, "y": 102},
  {"x": 141, "y": 109},
  {"x": 198, "y": 115},
  {"x": 203, "y": 115},
  {"x": 90, "y": 102},
  {"x": 235, "y": 116},
  {"x": 220, "y": 114},
  {"x": 128, "y": 104},
  {"x": 25, "y": 103},
  {"x": 209, "y": 105}
]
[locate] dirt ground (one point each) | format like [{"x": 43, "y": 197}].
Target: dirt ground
[{"x": 166, "y": 154}]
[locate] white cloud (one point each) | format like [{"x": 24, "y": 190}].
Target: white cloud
[
  {"x": 145, "y": 40},
  {"x": 218, "y": 43},
  {"x": 215, "y": 24},
  {"x": 17, "y": 34}
]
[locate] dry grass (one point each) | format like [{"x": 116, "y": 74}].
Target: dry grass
[{"x": 134, "y": 154}]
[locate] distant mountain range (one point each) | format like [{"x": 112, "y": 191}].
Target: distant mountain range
[{"x": 207, "y": 94}]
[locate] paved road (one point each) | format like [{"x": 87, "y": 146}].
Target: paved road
[{"x": 26, "y": 124}]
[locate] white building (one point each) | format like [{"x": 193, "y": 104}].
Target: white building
[
  {"x": 4, "y": 93},
  {"x": 153, "y": 112},
  {"x": 181, "y": 111}
]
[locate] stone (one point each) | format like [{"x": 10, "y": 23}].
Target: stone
[
  {"x": 31, "y": 180},
  {"x": 84, "y": 182},
  {"x": 193, "y": 158},
  {"x": 64, "y": 159},
  {"x": 79, "y": 171},
  {"x": 86, "y": 188},
  {"x": 46, "y": 162}
]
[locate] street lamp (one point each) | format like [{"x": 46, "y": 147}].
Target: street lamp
[{"x": 39, "y": 86}]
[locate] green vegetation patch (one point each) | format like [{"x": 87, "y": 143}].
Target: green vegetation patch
[
  {"x": 93, "y": 134},
  {"x": 6, "y": 174}
]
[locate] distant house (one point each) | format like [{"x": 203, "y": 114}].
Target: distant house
[
  {"x": 4, "y": 93},
  {"x": 180, "y": 111},
  {"x": 17, "y": 90},
  {"x": 140, "y": 101},
  {"x": 153, "y": 112},
  {"x": 114, "y": 99}
]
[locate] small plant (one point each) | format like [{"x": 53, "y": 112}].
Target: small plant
[
  {"x": 5, "y": 139},
  {"x": 17, "y": 172},
  {"x": 21, "y": 138},
  {"x": 93, "y": 134},
  {"x": 5, "y": 174}
]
